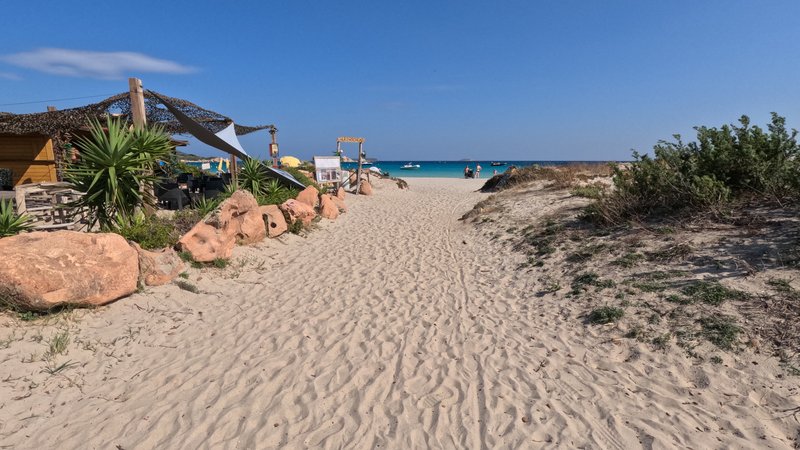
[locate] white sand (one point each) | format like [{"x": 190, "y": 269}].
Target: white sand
[{"x": 396, "y": 326}]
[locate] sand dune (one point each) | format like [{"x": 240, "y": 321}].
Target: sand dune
[{"x": 396, "y": 326}]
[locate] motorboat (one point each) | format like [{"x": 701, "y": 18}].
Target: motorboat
[
  {"x": 495, "y": 164},
  {"x": 410, "y": 166}
]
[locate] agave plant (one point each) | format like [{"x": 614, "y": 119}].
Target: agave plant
[
  {"x": 275, "y": 194},
  {"x": 252, "y": 176},
  {"x": 10, "y": 222},
  {"x": 115, "y": 171}
]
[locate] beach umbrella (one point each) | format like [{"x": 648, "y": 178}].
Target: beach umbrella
[{"x": 290, "y": 161}]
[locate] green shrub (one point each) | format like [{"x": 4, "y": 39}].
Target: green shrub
[
  {"x": 185, "y": 219},
  {"x": 296, "y": 227},
  {"x": 605, "y": 314},
  {"x": 594, "y": 191},
  {"x": 722, "y": 331},
  {"x": 149, "y": 232},
  {"x": 712, "y": 292},
  {"x": 299, "y": 176},
  {"x": 725, "y": 163},
  {"x": 629, "y": 259},
  {"x": 10, "y": 222}
]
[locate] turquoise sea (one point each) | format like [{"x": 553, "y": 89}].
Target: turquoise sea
[{"x": 448, "y": 169}]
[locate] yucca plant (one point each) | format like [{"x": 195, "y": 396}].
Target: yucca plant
[
  {"x": 115, "y": 171},
  {"x": 252, "y": 176},
  {"x": 10, "y": 222},
  {"x": 204, "y": 205}
]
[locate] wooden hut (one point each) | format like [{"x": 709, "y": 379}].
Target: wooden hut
[{"x": 31, "y": 158}]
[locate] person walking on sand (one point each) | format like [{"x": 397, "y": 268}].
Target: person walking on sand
[{"x": 477, "y": 170}]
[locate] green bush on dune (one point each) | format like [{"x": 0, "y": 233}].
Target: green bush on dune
[{"x": 724, "y": 164}]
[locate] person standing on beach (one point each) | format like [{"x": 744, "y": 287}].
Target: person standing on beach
[{"x": 477, "y": 170}]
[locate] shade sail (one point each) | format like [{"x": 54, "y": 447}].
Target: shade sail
[
  {"x": 228, "y": 134},
  {"x": 224, "y": 140},
  {"x": 205, "y": 136}
]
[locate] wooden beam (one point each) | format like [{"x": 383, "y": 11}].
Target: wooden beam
[
  {"x": 358, "y": 171},
  {"x": 350, "y": 139},
  {"x": 137, "y": 103}
]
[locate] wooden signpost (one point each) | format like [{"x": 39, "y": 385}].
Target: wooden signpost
[{"x": 360, "y": 142}]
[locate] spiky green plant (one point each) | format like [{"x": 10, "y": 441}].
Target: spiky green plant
[
  {"x": 252, "y": 176},
  {"x": 115, "y": 171},
  {"x": 10, "y": 222},
  {"x": 275, "y": 194},
  {"x": 205, "y": 205}
]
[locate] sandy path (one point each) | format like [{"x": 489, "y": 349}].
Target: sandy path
[{"x": 396, "y": 326}]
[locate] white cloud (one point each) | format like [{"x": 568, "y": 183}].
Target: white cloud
[
  {"x": 10, "y": 76},
  {"x": 84, "y": 63}
]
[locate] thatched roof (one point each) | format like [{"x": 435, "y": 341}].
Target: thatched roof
[{"x": 60, "y": 122}]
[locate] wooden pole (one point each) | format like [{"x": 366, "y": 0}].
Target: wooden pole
[
  {"x": 137, "y": 103},
  {"x": 358, "y": 172},
  {"x": 234, "y": 170},
  {"x": 139, "y": 122}
]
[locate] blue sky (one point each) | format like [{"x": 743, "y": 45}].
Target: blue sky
[{"x": 422, "y": 80}]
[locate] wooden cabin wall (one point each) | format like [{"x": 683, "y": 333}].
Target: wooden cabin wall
[{"x": 31, "y": 158}]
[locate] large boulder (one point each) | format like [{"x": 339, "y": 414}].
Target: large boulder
[
  {"x": 40, "y": 270},
  {"x": 240, "y": 215},
  {"x": 328, "y": 208},
  {"x": 340, "y": 194},
  {"x": 238, "y": 218},
  {"x": 158, "y": 267},
  {"x": 207, "y": 242},
  {"x": 298, "y": 211},
  {"x": 365, "y": 188},
  {"x": 309, "y": 196},
  {"x": 339, "y": 204},
  {"x": 274, "y": 220}
]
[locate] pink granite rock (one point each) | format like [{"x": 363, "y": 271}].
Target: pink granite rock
[
  {"x": 365, "y": 188},
  {"x": 41, "y": 270},
  {"x": 298, "y": 211},
  {"x": 207, "y": 242},
  {"x": 158, "y": 267},
  {"x": 274, "y": 220},
  {"x": 309, "y": 196},
  {"x": 339, "y": 204},
  {"x": 328, "y": 208}
]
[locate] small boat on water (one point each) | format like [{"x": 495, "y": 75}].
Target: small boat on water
[
  {"x": 410, "y": 166},
  {"x": 495, "y": 164}
]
